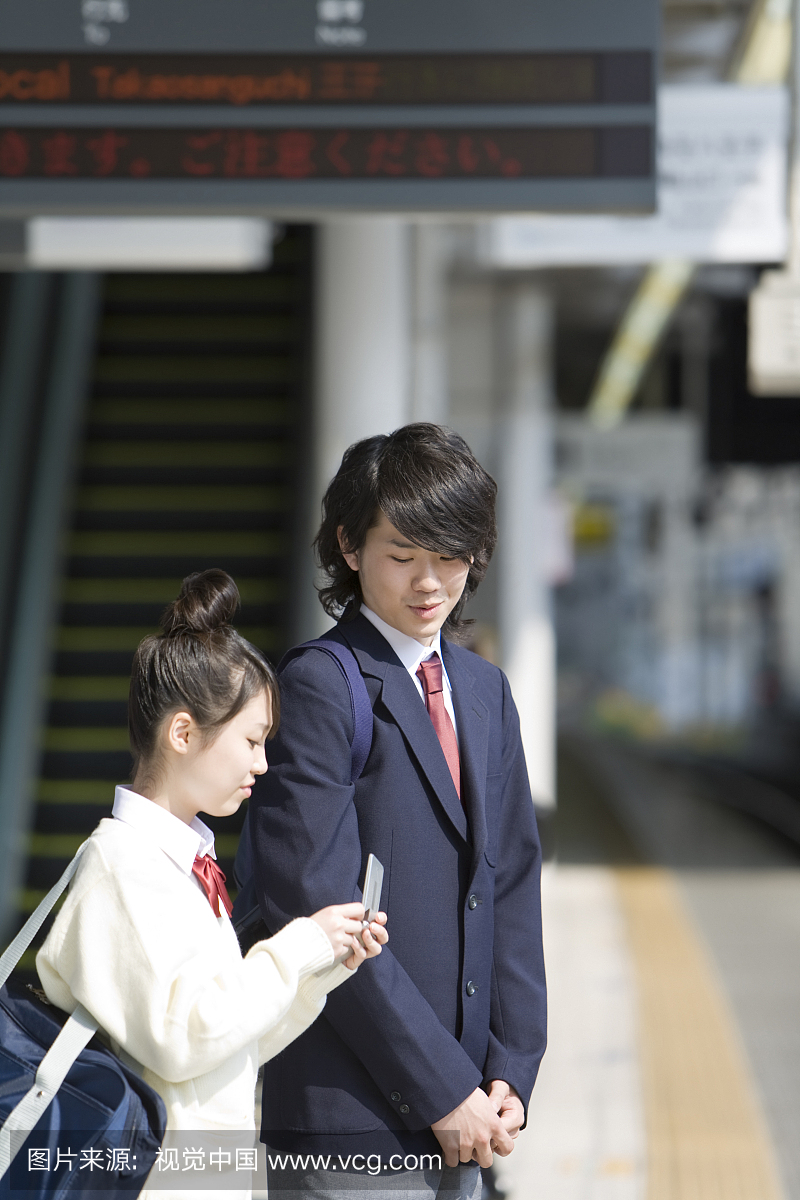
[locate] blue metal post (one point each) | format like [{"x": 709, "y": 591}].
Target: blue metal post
[{"x": 31, "y": 642}]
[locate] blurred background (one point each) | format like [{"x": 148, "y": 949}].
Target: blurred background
[{"x": 230, "y": 247}]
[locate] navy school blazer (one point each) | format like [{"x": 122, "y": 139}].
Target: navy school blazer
[{"x": 457, "y": 998}]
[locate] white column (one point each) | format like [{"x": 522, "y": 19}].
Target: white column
[
  {"x": 430, "y": 256},
  {"x": 362, "y": 358},
  {"x": 786, "y": 532},
  {"x": 525, "y": 468},
  {"x": 676, "y": 605}
]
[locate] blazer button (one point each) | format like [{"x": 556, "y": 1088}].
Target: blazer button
[
  {"x": 473, "y": 901},
  {"x": 404, "y": 1109},
  {"x": 471, "y": 988},
  {"x": 395, "y": 1096}
]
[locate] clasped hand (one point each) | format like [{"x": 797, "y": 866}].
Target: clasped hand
[
  {"x": 481, "y": 1125},
  {"x": 344, "y": 925}
]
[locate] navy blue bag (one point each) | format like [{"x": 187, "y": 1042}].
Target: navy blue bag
[
  {"x": 74, "y": 1118},
  {"x": 246, "y": 914}
]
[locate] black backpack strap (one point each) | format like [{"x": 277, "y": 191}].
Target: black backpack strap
[
  {"x": 246, "y": 914},
  {"x": 360, "y": 704}
]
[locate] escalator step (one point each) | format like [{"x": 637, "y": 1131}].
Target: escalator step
[{"x": 189, "y": 461}]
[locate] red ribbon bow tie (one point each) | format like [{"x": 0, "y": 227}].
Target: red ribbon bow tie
[{"x": 212, "y": 881}]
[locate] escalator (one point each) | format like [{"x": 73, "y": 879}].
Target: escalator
[{"x": 191, "y": 458}]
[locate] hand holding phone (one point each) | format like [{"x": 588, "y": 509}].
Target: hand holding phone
[
  {"x": 373, "y": 885},
  {"x": 338, "y": 922}
]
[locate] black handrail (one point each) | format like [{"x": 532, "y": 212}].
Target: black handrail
[{"x": 30, "y": 647}]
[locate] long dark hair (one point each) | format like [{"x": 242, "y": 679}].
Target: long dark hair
[
  {"x": 198, "y": 663},
  {"x": 427, "y": 482}
]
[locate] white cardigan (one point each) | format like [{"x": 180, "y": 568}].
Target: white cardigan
[{"x": 137, "y": 943}]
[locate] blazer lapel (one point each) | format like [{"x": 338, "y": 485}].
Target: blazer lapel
[
  {"x": 404, "y": 703},
  {"x": 472, "y": 718},
  {"x": 401, "y": 698}
]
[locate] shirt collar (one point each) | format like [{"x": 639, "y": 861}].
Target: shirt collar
[
  {"x": 410, "y": 652},
  {"x": 180, "y": 841}
]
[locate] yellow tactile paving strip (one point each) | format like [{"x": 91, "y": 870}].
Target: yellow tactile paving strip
[{"x": 706, "y": 1137}]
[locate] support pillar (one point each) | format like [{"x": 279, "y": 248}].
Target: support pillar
[
  {"x": 430, "y": 261},
  {"x": 362, "y": 361},
  {"x": 524, "y": 477},
  {"x": 22, "y": 351}
]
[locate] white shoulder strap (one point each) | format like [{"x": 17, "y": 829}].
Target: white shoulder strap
[
  {"x": 35, "y": 921},
  {"x": 74, "y": 1036},
  {"x": 76, "y": 1032}
]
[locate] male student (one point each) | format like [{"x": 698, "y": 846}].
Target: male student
[{"x": 435, "y": 1046}]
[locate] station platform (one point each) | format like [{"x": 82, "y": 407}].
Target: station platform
[{"x": 672, "y": 935}]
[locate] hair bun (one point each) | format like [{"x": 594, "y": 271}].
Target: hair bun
[{"x": 208, "y": 600}]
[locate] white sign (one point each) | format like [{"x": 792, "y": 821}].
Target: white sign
[
  {"x": 721, "y": 191},
  {"x": 148, "y": 243},
  {"x": 773, "y": 349}
]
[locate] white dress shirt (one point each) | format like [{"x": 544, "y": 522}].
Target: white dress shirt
[
  {"x": 180, "y": 842},
  {"x": 411, "y": 653}
]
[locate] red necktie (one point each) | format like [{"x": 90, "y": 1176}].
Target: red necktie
[
  {"x": 430, "y": 675},
  {"x": 212, "y": 882}
]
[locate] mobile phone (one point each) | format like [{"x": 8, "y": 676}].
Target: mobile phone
[
  {"x": 371, "y": 898},
  {"x": 373, "y": 884}
]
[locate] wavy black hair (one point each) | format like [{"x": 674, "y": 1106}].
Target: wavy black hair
[{"x": 427, "y": 482}]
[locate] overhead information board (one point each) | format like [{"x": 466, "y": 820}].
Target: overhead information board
[
  {"x": 290, "y": 105},
  {"x": 722, "y": 151}
]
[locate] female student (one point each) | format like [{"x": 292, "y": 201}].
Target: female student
[{"x": 144, "y": 939}]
